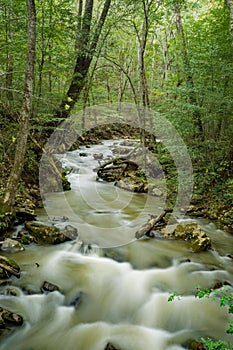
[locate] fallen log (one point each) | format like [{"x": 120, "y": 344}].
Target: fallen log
[{"x": 146, "y": 228}]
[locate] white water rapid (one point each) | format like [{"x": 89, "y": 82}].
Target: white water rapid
[{"x": 112, "y": 288}]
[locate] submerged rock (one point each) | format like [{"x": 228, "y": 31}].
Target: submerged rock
[
  {"x": 110, "y": 346},
  {"x": 48, "y": 287},
  {"x": 116, "y": 169},
  {"x": 50, "y": 234},
  {"x": 78, "y": 300},
  {"x": 8, "y": 267}
]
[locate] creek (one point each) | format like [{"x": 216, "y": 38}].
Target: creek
[{"x": 113, "y": 288}]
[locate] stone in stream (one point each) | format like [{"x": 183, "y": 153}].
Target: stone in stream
[
  {"x": 98, "y": 156},
  {"x": 70, "y": 231},
  {"x": 9, "y": 319},
  {"x": 131, "y": 185},
  {"x": 127, "y": 175},
  {"x": 50, "y": 234},
  {"x": 11, "y": 245},
  {"x": 48, "y": 287},
  {"x": 192, "y": 232},
  {"x": 83, "y": 154},
  {"x": 8, "y": 267}
]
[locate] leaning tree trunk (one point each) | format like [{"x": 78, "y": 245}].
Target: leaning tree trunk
[
  {"x": 16, "y": 171},
  {"x": 85, "y": 46}
]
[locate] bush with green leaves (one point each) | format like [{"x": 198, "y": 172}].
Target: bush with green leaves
[{"x": 225, "y": 298}]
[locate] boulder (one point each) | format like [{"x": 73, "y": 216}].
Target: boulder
[
  {"x": 24, "y": 237},
  {"x": 131, "y": 185},
  {"x": 24, "y": 214},
  {"x": 47, "y": 234},
  {"x": 70, "y": 231},
  {"x": 116, "y": 169},
  {"x": 48, "y": 287},
  {"x": 127, "y": 175},
  {"x": 192, "y": 232},
  {"x": 8, "y": 319},
  {"x": 11, "y": 245},
  {"x": 83, "y": 154}
]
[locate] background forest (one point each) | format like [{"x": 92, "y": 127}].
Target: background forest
[{"x": 173, "y": 56}]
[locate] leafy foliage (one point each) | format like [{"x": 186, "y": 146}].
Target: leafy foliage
[{"x": 225, "y": 298}]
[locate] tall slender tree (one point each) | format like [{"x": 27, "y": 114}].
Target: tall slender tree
[
  {"x": 20, "y": 150},
  {"x": 230, "y": 6},
  {"x": 187, "y": 69}
]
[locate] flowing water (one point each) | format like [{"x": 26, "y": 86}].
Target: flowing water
[{"x": 112, "y": 288}]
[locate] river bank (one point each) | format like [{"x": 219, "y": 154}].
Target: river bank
[
  {"x": 204, "y": 202},
  {"x": 107, "y": 282}
]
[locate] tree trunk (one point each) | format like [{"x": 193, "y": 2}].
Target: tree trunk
[
  {"x": 16, "y": 171},
  {"x": 85, "y": 46},
  {"x": 188, "y": 75},
  {"x": 9, "y": 56},
  {"x": 142, "y": 42},
  {"x": 230, "y": 6}
]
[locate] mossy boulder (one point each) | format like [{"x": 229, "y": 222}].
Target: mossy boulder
[
  {"x": 48, "y": 234},
  {"x": 8, "y": 267},
  {"x": 192, "y": 232}
]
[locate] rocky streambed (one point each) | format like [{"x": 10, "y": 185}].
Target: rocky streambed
[{"x": 95, "y": 270}]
